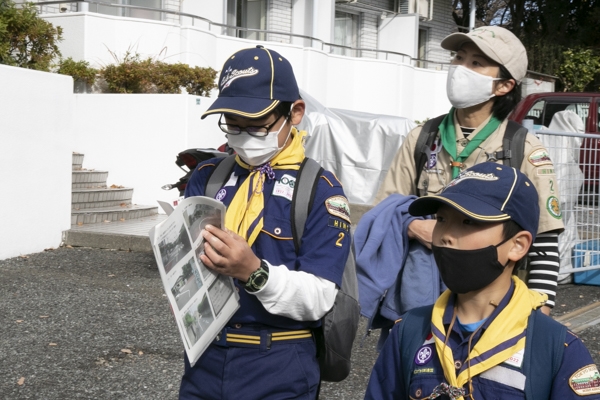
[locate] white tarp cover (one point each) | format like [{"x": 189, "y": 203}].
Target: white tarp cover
[{"x": 358, "y": 147}]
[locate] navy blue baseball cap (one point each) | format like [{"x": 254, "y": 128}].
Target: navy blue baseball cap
[
  {"x": 488, "y": 192},
  {"x": 253, "y": 82}
]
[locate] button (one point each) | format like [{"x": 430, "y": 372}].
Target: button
[
  {"x": 457, "y": 364},
  {"x": 418, "y": 392},
  {"x": 463, "y": 142},
  {"x": 277, "y": 231},
  {"x": 237, "y": 326}
]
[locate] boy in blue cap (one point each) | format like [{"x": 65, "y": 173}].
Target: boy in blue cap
[
  {"x": 267, "y": 350},
  {"x": 485, "y": 337}
]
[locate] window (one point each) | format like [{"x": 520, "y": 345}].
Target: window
[
  {"x": 251, "y": 14},
  {"x": 543, "y": 110},
  {"x": 345, "y": 33},
  {"x": 129, "y": 12},
  {"x": 422, "y": 48}
]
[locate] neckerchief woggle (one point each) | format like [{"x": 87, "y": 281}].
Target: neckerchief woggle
[
  {"x": 503, "y": 337},
  {"x": 244, "y": 215},
  {"x": 448, "y": 136}
]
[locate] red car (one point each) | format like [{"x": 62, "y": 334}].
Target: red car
[{"x": 541, "y": 107}]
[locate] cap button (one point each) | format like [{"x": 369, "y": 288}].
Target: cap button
[{"x": 260, "y": 46}]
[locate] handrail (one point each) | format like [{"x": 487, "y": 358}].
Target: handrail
[{"x": 237, "y": 29}]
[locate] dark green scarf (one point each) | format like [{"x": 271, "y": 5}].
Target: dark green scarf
[{"x": 448, "y": 136}]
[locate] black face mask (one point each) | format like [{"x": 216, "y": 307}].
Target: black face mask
[{"x": 465, "y": 271}]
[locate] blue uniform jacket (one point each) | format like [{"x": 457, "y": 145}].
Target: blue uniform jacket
[
  {"x": 389, "y": 264},
  {"x": 505, "y": 381},
  {"x": 325, "y": 242}
]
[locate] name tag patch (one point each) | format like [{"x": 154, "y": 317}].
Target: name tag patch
[
  {"x": 516, "y": 360},
  {"x": 284, "y": 187},
  {"x": 336, "y": 223}
]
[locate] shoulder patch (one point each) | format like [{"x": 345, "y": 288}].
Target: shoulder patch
[
  {"x": 585, "y": 381},
  {"x": 539, "y": 157},
  {"x": 338, "y": 206},
  {"x": 553, "y": 207}
]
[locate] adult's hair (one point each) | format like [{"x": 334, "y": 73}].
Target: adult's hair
[{"x": 503, "y": 105}]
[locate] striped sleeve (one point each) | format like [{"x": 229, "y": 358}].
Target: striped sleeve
[{"x": 544, "y": 264}]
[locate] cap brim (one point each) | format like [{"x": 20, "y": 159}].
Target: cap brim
[
  {"x": 454, "y": 41},
  {"x": 243, "y": 106},
  {"x": 463, "y": 203}
]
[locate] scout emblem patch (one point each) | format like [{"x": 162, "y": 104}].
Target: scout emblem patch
[
  {"x": 553, "y": 207},
  {"x": 424, "y": 355},
  {"x": 539, "y": 157},
  {"x": 338, "y": 206},
  {"x": 586, "y": 381}
]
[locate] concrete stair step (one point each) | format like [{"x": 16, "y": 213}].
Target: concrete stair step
[
  {"x": 102, "y": 204},
  {"x": 96, "y": 195},
  {"x": 89, "y": 179},
  {"x": 111, "y": 214}
]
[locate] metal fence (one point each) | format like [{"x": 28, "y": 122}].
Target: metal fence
[{"x": 576, "y": 159}]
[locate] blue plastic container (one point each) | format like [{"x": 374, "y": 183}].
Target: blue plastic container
[{"x": 587, "y": 254}]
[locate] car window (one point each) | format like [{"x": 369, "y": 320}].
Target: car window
[
  {"x": 580, "y": 108},
  {"x": 535, "y": 113}
]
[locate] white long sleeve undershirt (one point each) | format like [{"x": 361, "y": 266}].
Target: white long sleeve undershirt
[{"x": 295, "y": 294}]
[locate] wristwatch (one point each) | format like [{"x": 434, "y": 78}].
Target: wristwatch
[{"x": 258, "y": 279}]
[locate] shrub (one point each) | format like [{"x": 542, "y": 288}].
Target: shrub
[
  {"x": 27, "y": 40},
  {"x": 578, "y": 69},
  {"x": 135, "y": 75},
  {"x": 79, "y": 70}
]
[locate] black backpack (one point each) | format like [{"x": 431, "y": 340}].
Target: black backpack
[
  {"x": 336, "y": 335},
  {"x": 513, "y": 145}
]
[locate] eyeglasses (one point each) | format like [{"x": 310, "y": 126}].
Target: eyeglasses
[{"x": 257, "y": 131}]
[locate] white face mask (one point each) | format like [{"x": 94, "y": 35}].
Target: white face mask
[
  {"x": 257, "y": 151},
  {"x": 466, "y": 88}
]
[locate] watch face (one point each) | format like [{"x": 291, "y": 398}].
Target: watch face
[{"x": 257, "y": 280}]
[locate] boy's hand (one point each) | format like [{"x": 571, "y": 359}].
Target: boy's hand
[
  {"x": 228, "y": 253},
  {"x": 546, "y": 310},
  {"x": 421, "y": 229}
]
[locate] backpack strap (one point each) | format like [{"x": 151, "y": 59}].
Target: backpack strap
[
  {"x": 424, "y": 141},
  {"x": 513, "y": 145},
  {"x": 416, "y": 325},
  {"x": 544, "y": 347},
  {"x": 219, "y": 176},
  {"x": 303, "y": 197}
]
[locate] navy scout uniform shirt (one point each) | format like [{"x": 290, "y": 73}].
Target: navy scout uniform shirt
[
  {"x": 506, "y": 381},
  {"x": 325, "y": 242}
]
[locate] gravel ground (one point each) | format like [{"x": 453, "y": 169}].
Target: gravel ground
[{"x": 78, "y": 323}]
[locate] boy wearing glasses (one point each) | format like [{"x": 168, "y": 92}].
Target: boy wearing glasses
[
  {"x": 485, "y": 337},
  {"x": 283, "y": 292}
]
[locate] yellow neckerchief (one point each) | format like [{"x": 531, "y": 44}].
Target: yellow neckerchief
[
  {"x": 506, "y": 331},
  {"x": 245, "y": 213}
]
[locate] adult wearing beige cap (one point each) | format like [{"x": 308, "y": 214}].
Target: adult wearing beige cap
[{"x": 483, "y": 86}]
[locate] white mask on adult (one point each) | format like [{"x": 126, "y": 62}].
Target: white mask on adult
[
  {"x": 256, "y": 151},
  {"x": 466, "y": 88}
]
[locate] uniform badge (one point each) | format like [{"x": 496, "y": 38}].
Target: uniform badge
[
  {"x": 221, "y": 195},
  {"x": 423, "y": 355},
  {"x": 284, "y": 187},
  {"x": 516, "y": 360},
  {"x": 435, "y": 149},
  {"x": 338, "y": 206},
  {"x": 539, "y": 157},
  {"x": 553, "y": 207},
  {"x": 585, "y": 381}
]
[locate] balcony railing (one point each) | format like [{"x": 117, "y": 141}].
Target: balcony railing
[{"x": 235, "y": 31}]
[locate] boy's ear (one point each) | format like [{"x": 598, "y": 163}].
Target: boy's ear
[
  {"x": 520, "y": 246},
  {"x": 297, "y": 112}
]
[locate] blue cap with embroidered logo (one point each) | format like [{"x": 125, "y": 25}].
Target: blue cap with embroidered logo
[
  {"x": 253, "y": 82},
  {"x": 488, "y": 192}
]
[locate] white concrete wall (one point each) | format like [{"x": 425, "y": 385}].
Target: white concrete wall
[
  {"x": 35, "y": 160},
  {"x": 376, "y": 86},
  {"x": 135, "y": 137}
]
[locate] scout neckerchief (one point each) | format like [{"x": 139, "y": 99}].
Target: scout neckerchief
[
  {"x": 245, "y": 213},
  {"x": 448, "y": 136},
  {"x": 503, "y": 337}
]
